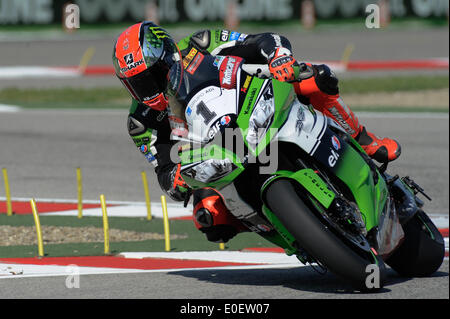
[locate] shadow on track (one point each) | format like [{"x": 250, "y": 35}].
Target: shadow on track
[{"x": 301, "y": 278}]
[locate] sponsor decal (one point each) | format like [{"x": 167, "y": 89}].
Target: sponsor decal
[
  {"x": 300, "y": 119},
  {"x": 228, "y": 73},
  {"x": 161, "y": 115},
  {"x": 144, "y": 148},
  {"x": 189, "y": 57},
  {"x": 246, "y": 84},
  {"x": 264, "y": 228},
  {"x": 158, "y": 32},
  {"x": 129, "y": 60},
  {"x": 219, "y": 125},
  {"x": 333, "y": 158},
  {"x": 215, "y": 128},
  {"x": 251, "y": 96},
  {"x": 188, "y": 111},
  {"x": 126, "y": 44},
  {"x": 234, "y": 36},
  {"x": 225, "y": 120},
  {"x": 218, "y": 61},
  {"x": 149, "y": 156},
  {"x": 336, "y": 143},
  {"x": 195, "y": 63},
  {"x": 224, "y": 35},
  {"x": 242, "y": 37},
  {"x": 228, "y": 69},
  {"x": 340, "y": 119}
]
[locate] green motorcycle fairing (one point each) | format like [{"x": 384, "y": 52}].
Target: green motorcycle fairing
[{"x": 285, "y": 119}]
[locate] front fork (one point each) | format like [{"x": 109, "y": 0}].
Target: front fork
[{"x": 404, "y": 191}]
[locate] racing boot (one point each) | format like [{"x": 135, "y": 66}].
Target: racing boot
[
  {"x": 382, "y": 150},
  {"x": 213, "y": 218},
  {"x": 317, "y": 85}
]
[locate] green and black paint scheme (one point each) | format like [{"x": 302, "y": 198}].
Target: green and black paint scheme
[{"x": 319, "y": 164}]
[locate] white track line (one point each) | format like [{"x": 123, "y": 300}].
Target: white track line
[
  {"x": 20, "y": 72},
  {"x": 5, "y": 108}
]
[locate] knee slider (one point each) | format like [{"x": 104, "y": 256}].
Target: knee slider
[{"x": 326, "y": 80}]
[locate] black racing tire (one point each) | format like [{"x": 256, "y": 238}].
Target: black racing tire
[
  {"x": 419, "y": 255},
  {"x": 318, "y": 240}
]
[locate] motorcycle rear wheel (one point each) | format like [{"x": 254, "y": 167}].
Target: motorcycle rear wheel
[
  {"x": 422, "y": 251},
  {"x": 319, "y": 241}
]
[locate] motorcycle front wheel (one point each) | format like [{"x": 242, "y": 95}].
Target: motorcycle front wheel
[{"x": 319, "y": 241}]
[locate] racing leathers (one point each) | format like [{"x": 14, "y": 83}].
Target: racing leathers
[{"x": 314, "y": 84}]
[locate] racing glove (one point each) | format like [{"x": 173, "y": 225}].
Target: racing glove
[
  {"x": 283, "y": 66},
  {"x": 179, "y": 189}
]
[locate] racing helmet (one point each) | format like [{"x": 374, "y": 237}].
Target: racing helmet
[{"x": 144, "y": 57}]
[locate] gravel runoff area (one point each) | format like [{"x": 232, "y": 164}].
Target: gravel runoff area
[
  {"x": 26, "y": 235},
  {"x": 437, "y": 99}
]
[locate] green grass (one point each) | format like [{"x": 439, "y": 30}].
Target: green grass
[
  {"x": 67, "y": 98},
  {"x": 118, "y": 97},
  {"x": 400, "y": 109},
  {"x": 393, "y": 84},
  {"x": 195, "y": 241}
]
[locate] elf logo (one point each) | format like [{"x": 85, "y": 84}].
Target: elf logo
[
  {"x": 224, "y": 35},
  {"x": 215, "y": 128},
  {"x": 332, "y": 159}
]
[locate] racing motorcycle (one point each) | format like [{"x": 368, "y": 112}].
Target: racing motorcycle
[{"x": 319, "y": 196}]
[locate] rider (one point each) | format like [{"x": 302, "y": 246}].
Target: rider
[{"x": 142, "y": 57}]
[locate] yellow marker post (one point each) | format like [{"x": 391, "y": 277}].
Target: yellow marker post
[
  {"x": 222, "y": 246},
  {"x": 105, "y": 224},
  {"x": 166, "y": 222},
  {"x": 8, "y": 194},
  {"x": 87, "y": 56},
  {"x": 147, "y": 195},
  {"x": 38, "y": 228},
  {"x": 80, "y": 193},
  {"x": 347, "y": 53}
]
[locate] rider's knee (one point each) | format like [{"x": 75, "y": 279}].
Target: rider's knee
[
  {"x": 213, "y": 218},
  {"x": 326, "y": 80}
]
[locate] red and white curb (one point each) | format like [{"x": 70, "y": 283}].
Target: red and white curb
[
  {"x": 143, "y": 262},
  {"x": 18, "y": 72},
  {"x": 127, "y": 262}
]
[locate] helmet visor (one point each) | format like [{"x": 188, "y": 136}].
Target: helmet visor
[{"x": 147, "y": 85}]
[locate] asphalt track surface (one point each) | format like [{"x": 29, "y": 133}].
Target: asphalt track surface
[
  {"x": 325, "y": 45},
  {"x": 41, "y": 150},
  {"x": 274, "y": 283}
]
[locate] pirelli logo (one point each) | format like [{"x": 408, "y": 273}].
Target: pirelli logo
[{"x": 188, "y": 58}]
